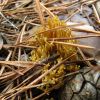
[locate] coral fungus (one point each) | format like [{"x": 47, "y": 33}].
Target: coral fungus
[{"x": 46, "y": 48}]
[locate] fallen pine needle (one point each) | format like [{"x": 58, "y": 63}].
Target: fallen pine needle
[{"x": 75, "y": 45}]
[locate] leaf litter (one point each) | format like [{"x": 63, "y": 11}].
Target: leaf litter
[{"x": 50, "y": 34}]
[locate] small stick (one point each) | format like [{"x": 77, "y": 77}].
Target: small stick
[
  {"x": 47, "y": 10},
  {"x": 65, "y": 6},
  {"x": 8, "y": 21},
  {"x": 40, "y": 12},
  {"x": 18, "y": 45},
  {"x": 22, "y": 64},
  {"x": 17, "y": 41},
  {"x": 51, "y": 2},
  {"x": 86, "y": 30},
  {"x": 3, "y": 67},
  {"x": 20, "y": 40},
  {"x": 3, "y": 4},
  {"x": 96, "y": 13},
  {"x": 83, "y": 56},
  {"x": 73, "y": 38},
  {"x": 69, "y": 3},
  {"x": 76, "y": 11},
  {"x": 75, "y": 45},
  {"x": 13, "y": 70}
]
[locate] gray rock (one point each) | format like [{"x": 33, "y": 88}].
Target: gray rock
[
  {"x": 88, "y": 92},
  {"x": 92, "y": 76},
  {"x": 98, "y": 96},
  {"x": 76, "y": 83},
  {"x": 84, "y": 86},
  {"x": 76, "y": 97},
  {"x": 98, "y": 83},
  {"x": 66, "y": 93}
]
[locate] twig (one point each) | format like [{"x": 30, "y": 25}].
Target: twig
[
  {"x": 8, "y": 20},
  {"x": 75, "y": 45},
  {"x": 83, "y": 56},
  {"x": 40, "y": 12},
  {"x": 73, "y": 38},
  {"x": 76, "y": 11},
  {"x": 3, "y": 67},
  {"x": 96, "y": 13},
  {"x": 47, "y": 10},
  {"x": 17, "y": 41},
  {"x": 86, "y": 30}
]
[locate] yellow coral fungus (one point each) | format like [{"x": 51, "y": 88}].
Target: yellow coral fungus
[{"x": 46, "y": 49}]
